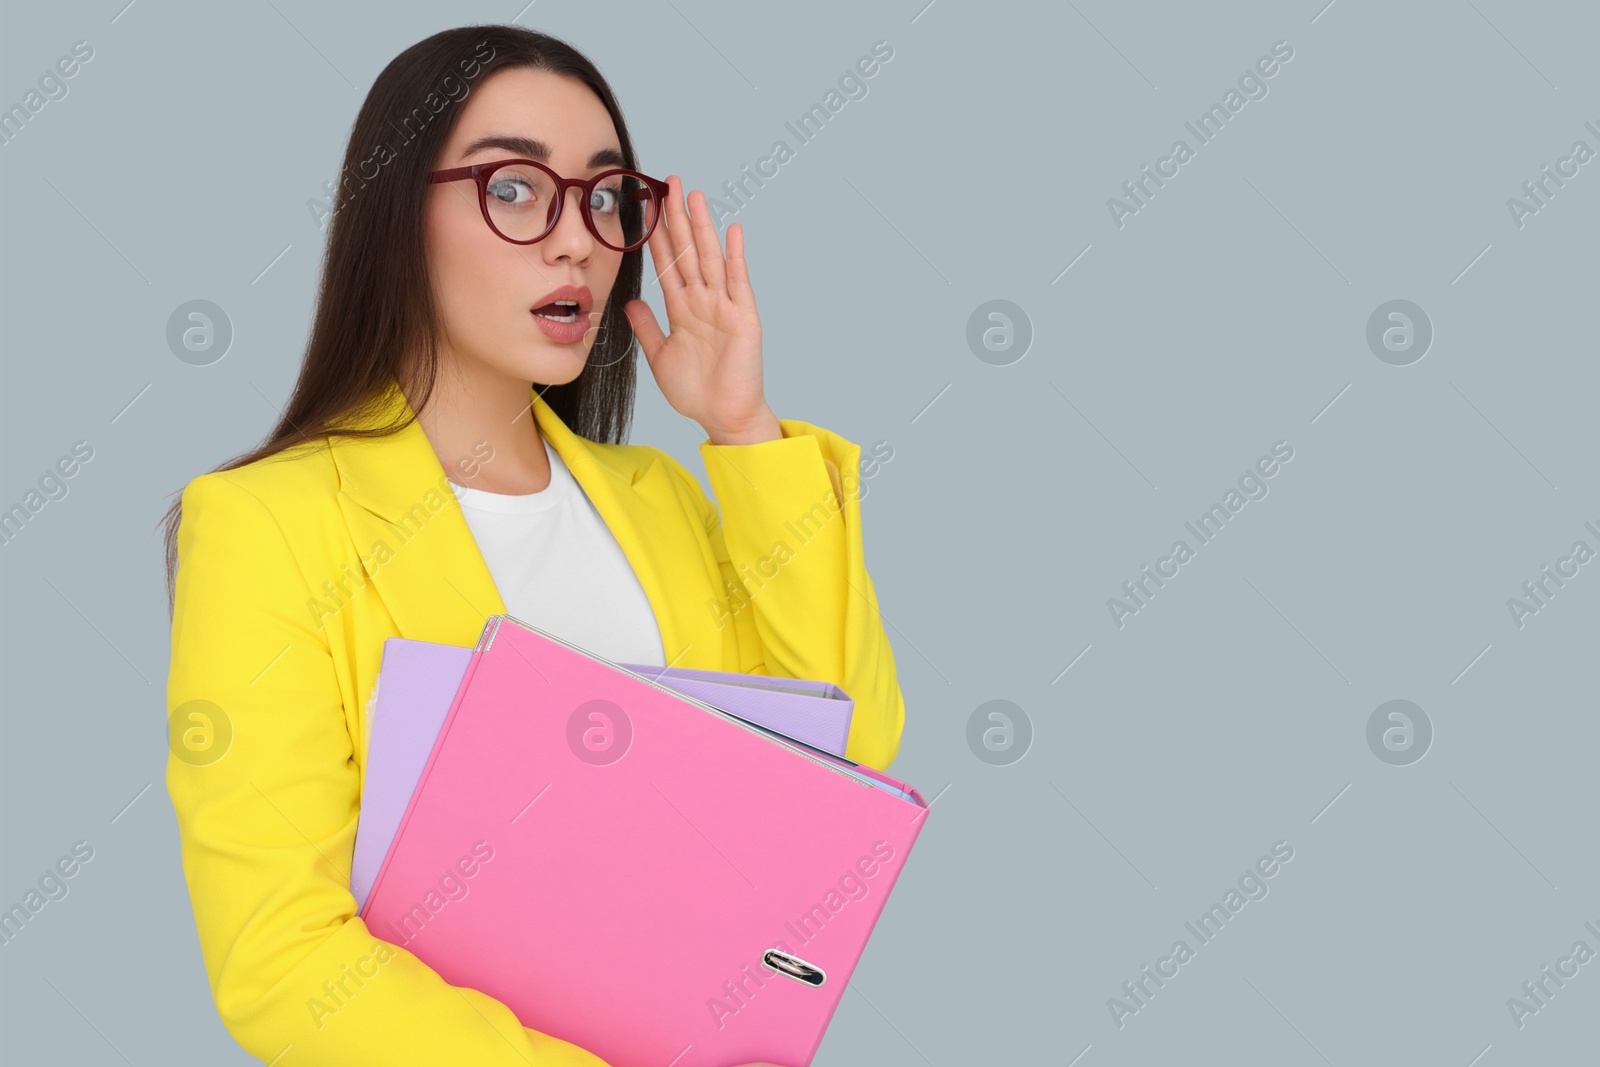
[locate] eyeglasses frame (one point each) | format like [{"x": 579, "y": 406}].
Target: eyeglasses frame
[{"x": 479, "y": 173}]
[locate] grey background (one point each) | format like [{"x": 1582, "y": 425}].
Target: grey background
[{"x": 1228, "y": 314}]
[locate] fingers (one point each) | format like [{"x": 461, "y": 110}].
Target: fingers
[
  {"x": 689, "y": 252},
  {"x": 709, "y": 246},
  {"x": 680, "y": 231},
  {"x": 739, "y": 288},
  {"x": 661, "y": 256},
  {"x": 696, "y": 251},
  {"x": 660, "y": 245}
]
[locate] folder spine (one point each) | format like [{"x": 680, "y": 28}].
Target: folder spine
[{"x": 490, "y": 628}]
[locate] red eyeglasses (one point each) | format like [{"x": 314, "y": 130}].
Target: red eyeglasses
[{"x": 521, "y": 200}]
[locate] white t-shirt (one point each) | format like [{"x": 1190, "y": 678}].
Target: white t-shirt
[{"x": 556, "y": 565}]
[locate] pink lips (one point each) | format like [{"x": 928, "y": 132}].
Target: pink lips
[{"x": 565, "y": 332}]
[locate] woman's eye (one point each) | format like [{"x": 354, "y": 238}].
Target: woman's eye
[
  {"x": 507, "y": 190},
  {"x": 604, "y": 199}
]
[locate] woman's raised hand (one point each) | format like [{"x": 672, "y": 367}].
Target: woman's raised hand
[{"x": 709, "y": 366}]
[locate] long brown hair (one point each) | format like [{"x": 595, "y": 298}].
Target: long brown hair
[{"x": 375, "y": 314}]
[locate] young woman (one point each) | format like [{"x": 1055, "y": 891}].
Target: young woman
[{"x": 452, "y": 450}]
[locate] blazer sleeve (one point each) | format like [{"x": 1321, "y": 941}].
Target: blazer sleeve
[
  {"x": 788, "y": 544},
  {"x": 261, "y": 775}
]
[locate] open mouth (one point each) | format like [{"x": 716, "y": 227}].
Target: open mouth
[{"x": 558, "y": 311}]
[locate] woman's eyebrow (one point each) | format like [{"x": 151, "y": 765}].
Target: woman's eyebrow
[{"x": 532, "y": 148}]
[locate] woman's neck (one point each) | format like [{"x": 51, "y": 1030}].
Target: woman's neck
[{"x": 483, "y": 431}]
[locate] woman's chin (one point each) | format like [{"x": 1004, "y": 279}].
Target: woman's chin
[{"x": 555, "y": 364}]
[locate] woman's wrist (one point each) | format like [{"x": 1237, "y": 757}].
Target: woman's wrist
[{"x": 762, "y": 428}]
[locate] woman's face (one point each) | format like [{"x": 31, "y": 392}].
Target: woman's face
[{"x": 487, "y": 287}]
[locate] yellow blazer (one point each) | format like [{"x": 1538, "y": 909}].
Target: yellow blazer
[{"x": 293, "y": 570}]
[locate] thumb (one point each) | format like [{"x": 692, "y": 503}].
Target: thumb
[{"x": 645, "y": 327}]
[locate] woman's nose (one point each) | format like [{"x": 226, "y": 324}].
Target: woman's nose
[{"x": 570, "y": 237}]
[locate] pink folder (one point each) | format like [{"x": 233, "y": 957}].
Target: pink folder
[
  {"x": 417, "y": 683},
  {"x": 634, "y": 870}
]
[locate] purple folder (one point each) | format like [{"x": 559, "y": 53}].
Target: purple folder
[{"x": 417, "y": 683}]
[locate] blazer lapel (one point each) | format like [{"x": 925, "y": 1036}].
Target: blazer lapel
[
  {"x": 421, "y": 559},
  {"x": 416, "y": 548}
]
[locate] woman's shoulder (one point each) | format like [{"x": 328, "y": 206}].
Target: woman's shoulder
[{"x": 296, "y": 479}]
